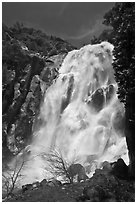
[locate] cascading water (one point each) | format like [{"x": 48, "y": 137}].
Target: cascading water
[{"x": 81, "y": 113}]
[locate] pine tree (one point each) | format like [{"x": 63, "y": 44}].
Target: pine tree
[{"x": 122, "y": 19}]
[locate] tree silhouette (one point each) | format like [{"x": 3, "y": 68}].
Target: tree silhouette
[{"x": 122, "y": 19}]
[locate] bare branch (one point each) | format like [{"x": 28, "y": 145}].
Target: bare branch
[
  {"x": 58, "y": 166},
  {"x": 11, "y": 177}
]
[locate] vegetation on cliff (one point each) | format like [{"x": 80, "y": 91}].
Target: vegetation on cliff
[{"x": 27, "y": 67}]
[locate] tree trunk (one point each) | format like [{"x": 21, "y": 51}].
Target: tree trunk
[{"x": 130, "y": 132}]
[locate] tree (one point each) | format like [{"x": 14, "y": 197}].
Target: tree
[
  {"x": 12, "y": 175},
  {"x": 122, "y": 19},
  {"x": 59, "y": 166}
]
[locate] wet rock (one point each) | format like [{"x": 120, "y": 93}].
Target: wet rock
[
  {"x": 118, "y": 120},
  {"x": 110, "y": 93},
  {"x": 97, "y": 100},
  {"x": 66, "y": 99}
]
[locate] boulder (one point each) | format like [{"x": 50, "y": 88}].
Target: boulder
[
  {"x": 26, "y": 187},
  {"x": 36, "y": 184},
  {"x": 120, "y": 169},
  {"x": 106, "y": 166},
  {"x": 77, "y": 170},
  {"x": 54, "y": 183},
  {"x": 43, "y": 183},
  {"x": 82, "y": 178}
]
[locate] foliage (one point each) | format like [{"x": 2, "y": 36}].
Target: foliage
[
  {"x": 122, "y": 19},
  {"x": 121, "y": 33},
  {"x": 25, "y": 63},
  {"x": 36, "y": 40}
]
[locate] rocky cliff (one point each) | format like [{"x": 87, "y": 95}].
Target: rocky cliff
[{"x": 30, "y": 61}]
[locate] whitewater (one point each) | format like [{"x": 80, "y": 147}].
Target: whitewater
[{"x": 81, "y": 114}]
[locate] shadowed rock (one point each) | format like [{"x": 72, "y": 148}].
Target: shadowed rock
[
  {"x": 97, "y": 100},
  {"x": 120, "y": 169},
  {"x": 54, "y": 183},
  {"x": 66, "y": 99},
  {"x": 77, "y": 170},
  {"x": 26, "y": 187}
]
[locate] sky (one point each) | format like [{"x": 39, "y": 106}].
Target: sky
[{"x": 76, "y": 22}]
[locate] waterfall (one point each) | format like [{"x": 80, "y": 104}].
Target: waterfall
[{"x": 81, "y": 113}]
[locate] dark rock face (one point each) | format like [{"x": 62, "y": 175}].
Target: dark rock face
[
  {"x": 66, "y": 99},
  {"x": 101, "y": 96},
  {"x": 27, "y": 73},
  {"x": 109, "y": 93},
  {"x": 97, "y": 99}
]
